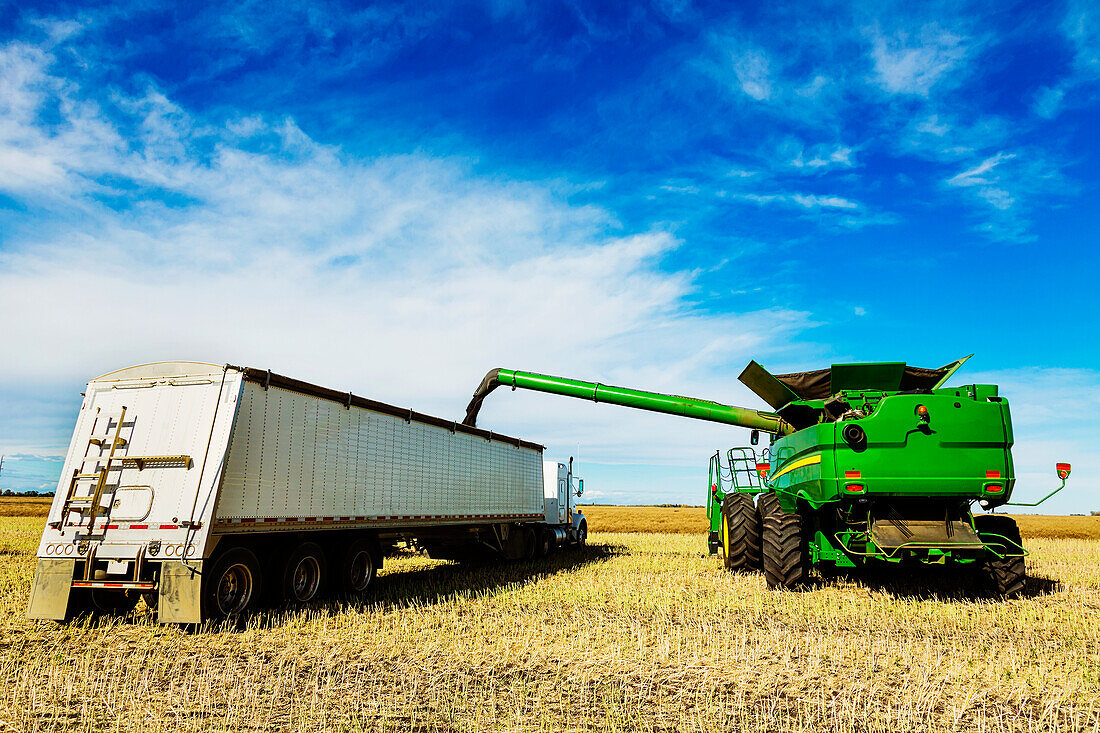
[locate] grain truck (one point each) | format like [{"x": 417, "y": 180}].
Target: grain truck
[
  {"x": 869, "y": 464},
  {"x": 210, "y": 490}
]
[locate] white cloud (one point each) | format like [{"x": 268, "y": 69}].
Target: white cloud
[
  {"x": 912, "y": 63},
  {"x": 402, "y": 277},
  {"x": 753, "y": 70},
  {"x": 1048, "y": 102},
  {"x": 824, "y": 202}
]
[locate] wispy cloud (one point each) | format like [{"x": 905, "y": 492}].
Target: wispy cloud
[
  {"x": 908, "y": 62},
  {"x": 404, "y": 276}
]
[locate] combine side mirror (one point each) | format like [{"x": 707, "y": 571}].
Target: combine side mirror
[
  {"x": 754, "y": 437},
  {"x": 1062, "y": 470}
]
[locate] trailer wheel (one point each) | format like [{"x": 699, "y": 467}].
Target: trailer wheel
[
  {"x": 305, "y": 574},
  {"x": 786, "y": 561},
  {"x": 234, "y": 585},
  {"x": 740, "y": 533},
  {"x": 1007, "y": 574},
  {"x": 358, "y": 567}
]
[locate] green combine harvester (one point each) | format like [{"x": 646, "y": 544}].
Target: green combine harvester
[{"x": 869, "y": 464}]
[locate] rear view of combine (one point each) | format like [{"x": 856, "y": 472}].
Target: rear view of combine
[
  {"x": 868, "y": 464},
  {"x": 209, "y": 490}
]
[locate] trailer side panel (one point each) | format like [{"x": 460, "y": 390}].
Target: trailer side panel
[{"x": 297, "y": 458}]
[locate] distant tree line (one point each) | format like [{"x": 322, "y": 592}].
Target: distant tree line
[{"x": 9, "y": 492}]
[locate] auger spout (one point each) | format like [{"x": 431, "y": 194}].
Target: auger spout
[{"x": 653, "y": 401}]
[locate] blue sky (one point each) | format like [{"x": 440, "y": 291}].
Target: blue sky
[{"x": 394, "y": 199}]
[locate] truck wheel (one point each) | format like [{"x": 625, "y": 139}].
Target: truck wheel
[
  {"x": 582, "y": 534},
  {"x": 545, "y": 544},
  {"x": 740, "y": 533},
  {"x": 358, "y": 567},
  {"x": 1007, "y": 574},
  {"x": 784, "y": 552},
  {"x": 234, "y": 585},
  {"x": 305, "y": 574}
]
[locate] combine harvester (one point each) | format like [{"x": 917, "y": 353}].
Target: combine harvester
[
  {"x": 869, "y": 464},
  {"x": 209, "y": 489}
]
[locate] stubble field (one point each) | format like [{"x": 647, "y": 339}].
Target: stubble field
[{"x": 639, "y": 631}]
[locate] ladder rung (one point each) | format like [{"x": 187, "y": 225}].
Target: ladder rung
[{"x": 106, "y": 442}]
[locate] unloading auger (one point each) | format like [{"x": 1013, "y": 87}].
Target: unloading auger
[{"x": 875, "y": 463}]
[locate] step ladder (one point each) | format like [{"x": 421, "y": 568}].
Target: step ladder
[{"x": 95, "y": 483}]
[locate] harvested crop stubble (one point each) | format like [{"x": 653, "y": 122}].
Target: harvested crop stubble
[
  {"x": 636, "y": 632},
  {"x": 693, "y": 520}
]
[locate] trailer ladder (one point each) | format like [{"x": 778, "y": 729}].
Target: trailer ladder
[{"x": 90, "y": 503}]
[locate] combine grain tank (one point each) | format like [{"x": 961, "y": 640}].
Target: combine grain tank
[{"x": 209, "y": 489}]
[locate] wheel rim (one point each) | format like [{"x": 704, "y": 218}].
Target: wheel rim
[
  {"x": 234, "y": 591},
  {"x": 360, "y": 570},
  {"x": 306, "y": 578}
]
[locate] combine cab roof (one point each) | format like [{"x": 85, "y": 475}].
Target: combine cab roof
[{"x": 780, "y": 389}]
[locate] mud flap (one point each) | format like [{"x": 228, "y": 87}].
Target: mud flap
[
  {"x": 53, "y": 579},
  {"x": 180, "y": 599}
]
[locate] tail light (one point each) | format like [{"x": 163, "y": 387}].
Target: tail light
[
  {"x": 1063, "y": 470},
  {"x": 763, "y": 468},
  {"x": 854, "y": 488},
  {"x": 994, "y": 488}
]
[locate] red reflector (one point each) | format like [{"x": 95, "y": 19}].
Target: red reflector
[
  {"x": 992, "y": 474},
  {"x": 994, "y": 489},
  {"x": 765, "y": 467},
  {"x": 1062, "y": 466},
  {"x": 852, "y": 474},
  {"x": 714, "y": 488},
  {"x": 853, "y": 488}
]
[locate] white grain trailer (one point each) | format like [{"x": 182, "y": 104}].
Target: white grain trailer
[{"x": 210, "y": 489}]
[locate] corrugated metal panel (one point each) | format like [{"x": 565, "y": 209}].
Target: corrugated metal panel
[{"x": 306, "y": 456}]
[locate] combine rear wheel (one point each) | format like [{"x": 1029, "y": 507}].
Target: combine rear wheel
[
  {"x": 1007, "y": 574},
  {"x": 786, "y": 561},
  {"x": 740, "y": 533}
]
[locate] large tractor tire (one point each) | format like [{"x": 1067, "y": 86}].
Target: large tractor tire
[
  {"x": 786, "y": 561},
  {"x": 740, "y": 534},
  {"x": 1007, "y": 574}
]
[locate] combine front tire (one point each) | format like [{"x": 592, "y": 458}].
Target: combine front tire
[
  {"x": 786, "y": 561},
  {"x": 740, "y": 533},
  {"x": 1007, "y": 574}
]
